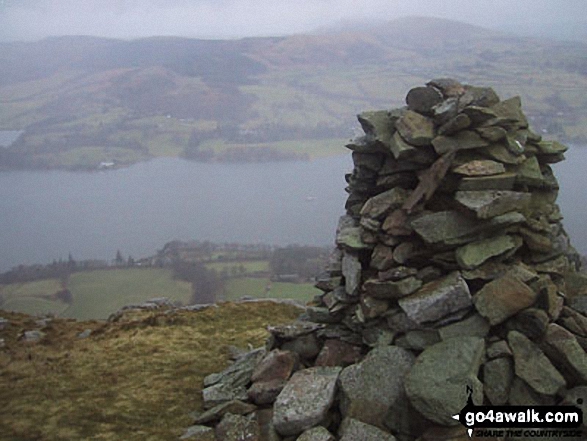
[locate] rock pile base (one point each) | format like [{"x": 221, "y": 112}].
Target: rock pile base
[{"x": 452, "y": 271}]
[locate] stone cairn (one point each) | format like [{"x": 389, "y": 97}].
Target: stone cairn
[{"x": 452, "y": 271}]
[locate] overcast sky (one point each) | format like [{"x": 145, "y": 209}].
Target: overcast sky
[{"x": 34, "y": 19}]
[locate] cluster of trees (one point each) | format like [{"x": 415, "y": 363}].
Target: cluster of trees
[
  {"x": 206, "y": 284},
  {"x": 306, "y": 262}
]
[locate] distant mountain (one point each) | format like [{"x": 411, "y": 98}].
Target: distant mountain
[{"x": 83, "y": 100}]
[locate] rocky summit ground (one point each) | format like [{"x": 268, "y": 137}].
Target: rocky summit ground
[{"x": 136, "y": 378}]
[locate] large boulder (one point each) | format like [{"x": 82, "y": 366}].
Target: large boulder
[
  {"x": 437, "y": 384},
  {"x": 306, "y": 399}
]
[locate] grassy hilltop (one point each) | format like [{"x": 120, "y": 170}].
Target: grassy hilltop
[
  {"x": 135, "y": 379},
  {"x": 82, "y": 100}
]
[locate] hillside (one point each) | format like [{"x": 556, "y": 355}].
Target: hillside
[
  {"x": 138, "y": 378},
  {"x": 86, "y": 100}
]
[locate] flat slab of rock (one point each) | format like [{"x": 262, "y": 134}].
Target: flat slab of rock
[
  {"x": 391, "y": 290},
  {"x": 502, "y": 298},
  {"x": 316, "y": 434},
  {"x": 479, "y": 167},
  {"x": 351, "y": 270},
  {"x": 306, "y": 399},
  {"x": 498, "y": 375},
  {"x": 354, "y": 430},
  {"x": 237, "y": 428},
  {"x": 466, "y": 139},
  {"x": 415, "y": 128},
  {"x": 199, "y": 433},
  {"x": 490, "y": 203},
  {"x": 566, "y": 354},
  {"x": 474, "y": 254},
  {"x": 532, "y": 366},
  {"x": 382, "y": 204},
  {"x": 370, "y": 388},
  {"x": 453, "y": 228},
  {"x": 437, "y": 383},
  {"x": 437, "y": 299},
  {"x": 235, "y": 407}
]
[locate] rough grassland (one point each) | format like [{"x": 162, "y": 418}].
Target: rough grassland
[
  {"x": 97, "y": 294},
  {"x": 136, "y": 379}
]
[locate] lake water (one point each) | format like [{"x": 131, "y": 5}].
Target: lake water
[{"x": 45, "y": 215}]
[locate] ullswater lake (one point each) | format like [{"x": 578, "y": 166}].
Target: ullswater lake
[{"x": 46, "y": 215}]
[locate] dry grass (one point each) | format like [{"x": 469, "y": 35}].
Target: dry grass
[{"x": 136, "y": 379}]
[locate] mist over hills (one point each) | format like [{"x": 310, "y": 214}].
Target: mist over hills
[{"x": 148, "y": 97}]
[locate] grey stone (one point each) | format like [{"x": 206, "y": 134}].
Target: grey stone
[
  {"x": 531, "y": 322},
  {"x": 397, "y": 273},
  {"x": 418, "y": 340},
  {"x": 84, "y": 334},
  {"x": 199, "y": 433},
  {"x": 474, "y": 254},
  {"x": 391, "y": 290},
  {"x": 449, "y": 87},
  {"x": 294, "y": 330},
  {"x": 474, "y": 326},
  {"x": 351, "y": 270},
  {"x": 371, "y": 161},
  {"x": 445, "y": 110},
  {"x": 503, "y": 181},
  {"x": 364, "y": 144},
  {"x": 490, "y": 203},
  {"x": 306, "y": 399},
  {"x": 382, "y": 204},
  {"x": 479, "y": 96},
  {"x": 237, "y": 428},
  {"x": 415, "y": 129},
  {"x": 275, "y": 365},
  {"x": 371, "y": 308},
  {"x": 566, "y": 354},
  {"x": 370, "y": 388},
  {"x": 480, "y": 167},
  {"x": 511, "y": 109},
  {"x": 466, "y": 139},
  {"x": 306, "y": 346},
  {"x": 529, "y": 173},
  {"x": 437, "y": 299},
  {"x": 499, "y": 152},
  {"x": 234, "y": 407},
  {"x": 401, "y": 149},
  {"x": 532, "y": 366},
  {"x": 378, "y": 124},
  {"x": 454, "y": 125},
  {"x": 264, "y": 418},
  {"x": 492, "y": 134},
  {"x": 338, "y": 353},
  {"x": 523, "y": 395},
  {"x": 398, "y": 321},
  {"x": 499, "y": 349},
  {"x": 498, "y": 375},
  {"x": 558, "y": 266},
  {"x": 377, "y": 336},
  {"x": 437, "y": 383},
  {"x": 265, "y": 392},
  {"x": 453, "y": 228},
  {"x": 348, "y": 234},
  {"x": 382, "y": 258},
  {"x": 502, "y": 298},
  {"x": 423, "y": 99},
  {"x": 478, "y": 115},
  {"x": 316, "y": 434},
  {"x": 354, "y": 430},
  {"x": 33, "y": 336}
]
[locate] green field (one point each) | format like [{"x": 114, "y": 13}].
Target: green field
[
  {"x": 96, "y": 294},
  {"x": 257, "y": 288}
]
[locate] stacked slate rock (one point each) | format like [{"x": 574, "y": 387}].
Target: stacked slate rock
[{"x": 452, "y": 272}]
